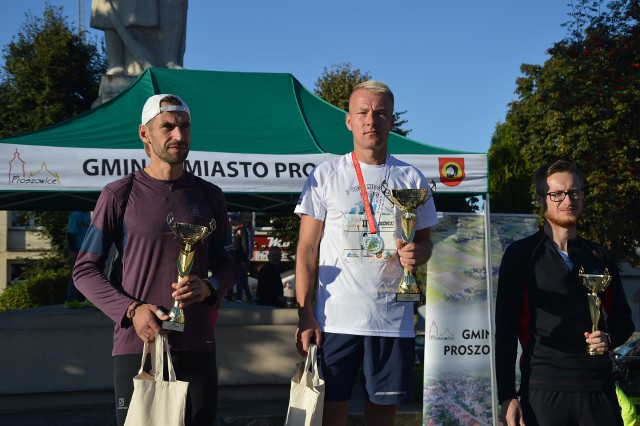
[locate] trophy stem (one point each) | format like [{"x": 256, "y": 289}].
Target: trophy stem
[
  {"x": 408, "y": 284},
  {"x": 409, "y": 200},
  {"x": 176, "y": 314},
  {"x": 594, "y": 310},
  {"x": 408, "y": 226},
  {"x": 189, "y": 235},
  {"x": 408, "y": 290},
  {"x": 185, "y": 261},
  {"x": 594, "y": 283}
]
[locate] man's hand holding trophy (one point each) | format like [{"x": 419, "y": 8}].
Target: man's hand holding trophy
[
  {"x": 594, "y": 283},
  {"x": 409, "y": 200},
  {"x": 189, "y": 235}
]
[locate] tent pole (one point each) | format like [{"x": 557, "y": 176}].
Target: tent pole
[{"x": 490, "y": 305}]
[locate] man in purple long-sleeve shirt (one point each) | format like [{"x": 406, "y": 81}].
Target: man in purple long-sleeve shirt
[{"x": 148, "y": 288}]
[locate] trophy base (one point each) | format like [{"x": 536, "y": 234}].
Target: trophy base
[
  {"x": 408, "y": 297},
  {"x": 594, "y": 352},
  {"x": 172, "y": 326}
]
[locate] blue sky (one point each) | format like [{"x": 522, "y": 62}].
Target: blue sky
[{"x": 451, "y": 64}]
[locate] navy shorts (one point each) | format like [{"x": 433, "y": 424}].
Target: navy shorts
[{"x": 387, "y": 367}]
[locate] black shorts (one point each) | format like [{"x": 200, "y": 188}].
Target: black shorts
[
  {"x": 197, "y": 368},
  {"x": 552, "y": 408}
]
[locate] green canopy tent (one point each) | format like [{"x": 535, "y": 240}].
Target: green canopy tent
[{"x": 256, "y": 135}]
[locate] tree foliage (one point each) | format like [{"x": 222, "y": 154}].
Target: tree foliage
[
  {"x": 48, "y": 287},
  {"x": 509, "y": 174},
  {"x": 287, "y": 227},
  {"x": 52, "y": 227},
  {"x": 336, "y": 83},
  {"x": 49, "y": 74},
  {"x": 583, "y": 105},
  {"x": 455, "y": 203}
]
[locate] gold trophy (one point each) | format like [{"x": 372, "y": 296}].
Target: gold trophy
[
  {"x": 594, "y": 283},
  {"x": 408, "y": 200},
  {"x": 189, "y": 235}
]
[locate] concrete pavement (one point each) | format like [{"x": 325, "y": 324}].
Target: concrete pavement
[
  {"x": 57, "y": 368},
  {"x": 231, "y": 414}
]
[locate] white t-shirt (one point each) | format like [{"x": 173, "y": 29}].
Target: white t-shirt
[{"x": 356, "y": 290}]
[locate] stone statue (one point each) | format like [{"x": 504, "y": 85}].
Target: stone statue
[{"x": 141, "y": 33}]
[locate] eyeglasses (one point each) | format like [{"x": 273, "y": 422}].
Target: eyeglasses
[{"x": 574, "y": 194}]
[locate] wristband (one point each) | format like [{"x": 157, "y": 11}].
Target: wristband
[{"x": 132, "y": 312}]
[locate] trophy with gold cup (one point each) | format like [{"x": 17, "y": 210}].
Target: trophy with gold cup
[
  {"x": 189, "y": 235},
  {"x": 594, "y": 283},
  {"x": 408, "y": 200}
]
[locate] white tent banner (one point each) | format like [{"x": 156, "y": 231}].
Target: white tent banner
[{"x": 49, "y": 168}]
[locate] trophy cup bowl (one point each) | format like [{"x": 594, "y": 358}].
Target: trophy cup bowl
[
  {"x": 189, "y": 235},
  {"x": 408, "y": 200},
  {"x": 594, "y": 283}
]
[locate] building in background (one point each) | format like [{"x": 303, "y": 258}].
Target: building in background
[{"x": 19, "y": 242}]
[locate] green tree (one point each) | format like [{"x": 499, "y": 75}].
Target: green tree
[
  {"x": 50, "y": 73},
  {"x": 583, "y": 104},
  {"x": 455, "y": 203},
  {"x": 336, "y": 83},
  {"x": 52, "y": 226},
  {"x": 287, "y": 227},
  {"x": 509, "y": 174}
]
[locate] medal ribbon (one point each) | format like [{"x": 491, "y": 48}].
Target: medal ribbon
[{"x": 363, "y": 194}]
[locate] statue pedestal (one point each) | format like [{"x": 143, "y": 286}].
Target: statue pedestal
[{"x": 111, "y": 85}]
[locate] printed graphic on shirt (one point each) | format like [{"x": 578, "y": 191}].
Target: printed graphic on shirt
[{"x": 355, "y": 227}]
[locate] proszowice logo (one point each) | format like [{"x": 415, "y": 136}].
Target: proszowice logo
[
  {"x": 18, "y": 174},
  {"x": 470, "y": 341}
]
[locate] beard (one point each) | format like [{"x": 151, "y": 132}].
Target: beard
[
  {"x": 563, "y": 221},
  {"x": 172, "y": 159}
]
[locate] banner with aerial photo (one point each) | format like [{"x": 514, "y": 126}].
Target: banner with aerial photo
[{"x": 458, "y": 341}]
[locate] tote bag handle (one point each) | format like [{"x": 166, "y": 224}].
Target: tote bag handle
[{"x": 157, "y": 352}]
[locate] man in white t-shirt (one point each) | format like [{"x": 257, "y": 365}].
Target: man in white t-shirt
[{"x": 349, "y": 245}]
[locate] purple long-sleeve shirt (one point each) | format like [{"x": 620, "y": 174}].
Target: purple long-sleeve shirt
[{"x": 150, "y": 254}]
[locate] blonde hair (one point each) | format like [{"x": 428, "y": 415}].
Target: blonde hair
[{"x": 376, "y": 87}]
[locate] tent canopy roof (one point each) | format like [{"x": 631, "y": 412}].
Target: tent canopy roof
[{"x": 239, "y": 113}]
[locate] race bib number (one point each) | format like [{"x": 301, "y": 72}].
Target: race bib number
[{"x": 354, "y": 231}]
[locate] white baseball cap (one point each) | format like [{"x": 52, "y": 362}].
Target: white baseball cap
[{"x": 152, "y": 107}]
